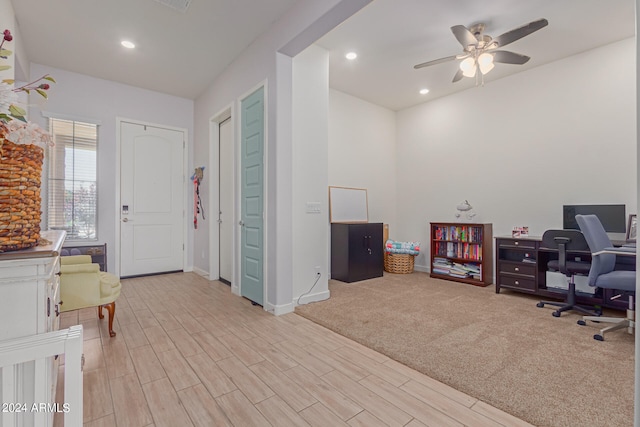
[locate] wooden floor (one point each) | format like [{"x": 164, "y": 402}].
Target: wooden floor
[{"x": 188, "y": 352}]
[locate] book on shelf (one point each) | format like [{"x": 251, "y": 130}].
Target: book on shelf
[
  {"x": 456, "y": 269},
  {"x": 459, "y": 252},
  {"x": 460, "y": 233}
]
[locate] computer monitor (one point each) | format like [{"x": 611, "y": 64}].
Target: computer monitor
[{"x": 612, "y": 217}]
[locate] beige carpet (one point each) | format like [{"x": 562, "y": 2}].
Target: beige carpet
[{"x": 499, "y": 348}]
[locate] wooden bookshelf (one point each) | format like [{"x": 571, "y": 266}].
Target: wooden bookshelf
[{"x": 462, "y": 252}]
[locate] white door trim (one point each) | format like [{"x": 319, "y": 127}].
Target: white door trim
[
  {"x": 185, "y": 157},
  {"x": 265, "y": 196},
  {"x": 214, "y": 196}
]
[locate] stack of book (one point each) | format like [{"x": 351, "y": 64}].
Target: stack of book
[
  {"x": 442, "y": 266},
  {"x": 459, "y": 270},
  {"x": 475, "y": 270},
  {"x": 454, "y": 269}
]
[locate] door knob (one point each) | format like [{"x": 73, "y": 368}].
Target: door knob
[
  {"x": 241, "y": 223},
  {"x": 126, "y": 220}
]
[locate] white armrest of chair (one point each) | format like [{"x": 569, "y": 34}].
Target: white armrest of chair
[{"x": 617, "y": 251}]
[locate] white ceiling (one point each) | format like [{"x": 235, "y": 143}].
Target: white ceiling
[
  {"x": 391, "y": 36},
  {"x": 181, "y": 53},
  {"x": 177, "y": 53}
]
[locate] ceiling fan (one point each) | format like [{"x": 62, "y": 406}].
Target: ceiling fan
[{"x": 480, "y": 50}]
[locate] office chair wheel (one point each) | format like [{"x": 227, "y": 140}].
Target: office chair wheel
[
  {"x": 556, "y": 314},
  {"x": 540, "y": 304},
  {"x": 598, "y": 337},
  {"x": 582, "y": 323}
]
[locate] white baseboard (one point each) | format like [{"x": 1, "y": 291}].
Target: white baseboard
[
  {"x": 306, "y": 299},
  {"x": 201, "y": 272},
  {"x": 278, "y": 310},
  {"x": 422, "y": 268}
]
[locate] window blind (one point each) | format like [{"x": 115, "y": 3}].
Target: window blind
[{"x": 72, "y": 181}]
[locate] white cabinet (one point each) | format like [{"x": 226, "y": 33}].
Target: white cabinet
[{"x": 29, "y": 305}]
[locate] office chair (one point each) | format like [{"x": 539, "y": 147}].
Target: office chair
[
  {"x": 565, "y": 241},
  {"x": 604, "y": 275}
]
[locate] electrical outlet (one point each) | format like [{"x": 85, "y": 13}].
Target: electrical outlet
[{"x": 313, "y": 207}]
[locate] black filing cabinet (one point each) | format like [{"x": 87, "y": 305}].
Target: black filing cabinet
[{"x": 356, "y": 251}]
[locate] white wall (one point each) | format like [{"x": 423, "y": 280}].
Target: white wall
[
  {"x": 521, "y": 147},
  {"x": 88, "y": 98},
  {"x": 261, "y": 63},
  {"x": 18, "y": 60},
  {"x": 362, "y": 153},
  {"x": 310, "y": 175},
  {"x": 7, "y": 22}
]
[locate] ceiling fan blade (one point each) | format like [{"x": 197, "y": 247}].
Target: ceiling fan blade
[
  {"x": 434, "y": 62},
  {"x": 520, "y": 32},
  {"x": 507, "y": 57},
  {"x": 458, "y": 76},
  {"x": 464, "y": 36}
]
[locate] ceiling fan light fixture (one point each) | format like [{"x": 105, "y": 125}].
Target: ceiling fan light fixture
[
  {"x": 468, "y": 67},
  {"x": 485, "y": 62},
  {"x": 478, "y": 49}
]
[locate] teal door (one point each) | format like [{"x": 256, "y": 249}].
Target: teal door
[{"x": 252, "y": 218}]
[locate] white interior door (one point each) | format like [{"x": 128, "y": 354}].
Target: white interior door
[
  {"x": 151, "y": 199},
  {"x": 226, "y": 201}
]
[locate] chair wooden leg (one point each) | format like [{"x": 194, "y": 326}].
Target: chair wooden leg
[
  {"x": 111, "y": 308},
  {"x": 100, "y": 315}
]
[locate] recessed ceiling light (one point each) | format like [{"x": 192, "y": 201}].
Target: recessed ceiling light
[
  {"x": 351, "y": 56},
  {"x": 424, "y": 91},
  {"x": 127, "y": 44}
]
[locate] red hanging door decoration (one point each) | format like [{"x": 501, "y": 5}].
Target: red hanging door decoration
[{"x": 197, "y": 177}]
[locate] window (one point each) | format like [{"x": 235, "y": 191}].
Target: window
[{"x": 72, "y": 183}]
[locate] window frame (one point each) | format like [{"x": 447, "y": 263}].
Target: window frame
[{"x": 51, "y": 155}]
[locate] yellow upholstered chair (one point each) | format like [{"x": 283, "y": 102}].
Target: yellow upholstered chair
[{"x": 82, "y": 285}]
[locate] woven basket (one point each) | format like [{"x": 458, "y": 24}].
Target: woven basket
[
  {"x": 398, "y": 263},
  {"x": 20, "y": 175}
]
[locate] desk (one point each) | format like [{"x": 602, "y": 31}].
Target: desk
[{"x": 521, "y": 265}]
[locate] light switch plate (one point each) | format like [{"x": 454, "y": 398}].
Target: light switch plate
[{"x": 313, "y": 207}]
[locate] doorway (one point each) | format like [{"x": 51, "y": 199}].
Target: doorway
[
  {"x": 151, "y": 199},
  {"x": 225, "y": 215}
]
